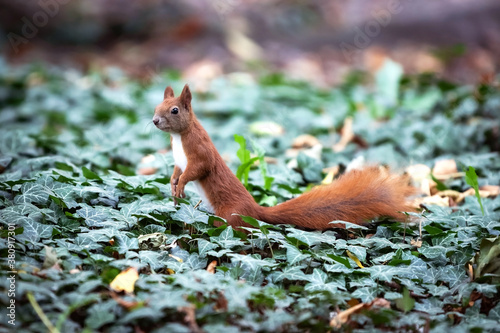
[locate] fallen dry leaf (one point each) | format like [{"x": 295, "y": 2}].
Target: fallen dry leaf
[
  {"x": 470, "y": 272},
  {"x": 492, "y": 190},
  {"x": 450, "y": 194},
  {"x": 418, "y": 172},
  {"x": 420, "y": 177},
  {"x": 305, "y": 141},
  {"x": 347, "y": 135},
  {"x": 211, "y": 267},
  {"x": 125, "y": 281},
  {"x": 343, "y": 316},
  {"x": 416, "y": 243},
  {"x": 381, "y": 303},
  {"x": 449, "y": 198},
  {"x": 190, "y": 317},
  {"x": 444, "y": 167},
  {"x": 129, "y": 305},
  {"x": 431, "y": 200},
  {"x": 146, "y": 171},
  {"x": 221, "y": 302}
]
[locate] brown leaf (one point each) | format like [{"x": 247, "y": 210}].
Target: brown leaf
[
  {"x": 347, "y": 135},
  {"x": 470, "y": 272},
  {"x": 305, "y": 141},
  {"x": 444, "y": 167},
  {"x": 431, "y": 200},
  {"x": 211, "y": 267},
  {"x": 343, "y": 317},
  {"x": 146, "y": 171},
  {"x": 190, "y": 317},
  {"x": 492, "y": 190},
  {"x": 221, "y": 302},
  {"x": 416, "y": 243},
  {"x": 129, "y": 305}
]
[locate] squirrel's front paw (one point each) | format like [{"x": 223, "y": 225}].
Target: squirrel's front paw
[
  {"x": 173, "y": 189},
  {"x": 179, "y": 192}
]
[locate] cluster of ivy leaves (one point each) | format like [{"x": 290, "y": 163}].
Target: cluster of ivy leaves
[{"x": 72, "y": 145}]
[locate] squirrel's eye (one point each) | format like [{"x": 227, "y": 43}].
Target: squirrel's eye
[{"x": 175, "y": 111}]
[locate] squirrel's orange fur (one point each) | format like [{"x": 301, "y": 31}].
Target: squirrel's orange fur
[{"x": 355, "y": 197}]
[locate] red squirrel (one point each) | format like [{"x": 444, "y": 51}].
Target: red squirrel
[{"x": 355, "y": 197}]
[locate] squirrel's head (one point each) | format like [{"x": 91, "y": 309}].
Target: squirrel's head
[{"x": 174, "y": 114}]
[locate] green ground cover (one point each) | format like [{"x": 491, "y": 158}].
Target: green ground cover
[{"x": 71, "y": 146}]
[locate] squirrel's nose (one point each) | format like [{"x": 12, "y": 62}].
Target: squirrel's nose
[{"x": 156, "y": 120}]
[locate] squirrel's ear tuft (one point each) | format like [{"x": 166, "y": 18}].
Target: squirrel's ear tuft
[
  {"x": 186, "y": 97},
  {"x": 169, "y": 93}
]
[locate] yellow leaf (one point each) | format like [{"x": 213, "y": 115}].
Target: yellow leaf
[
  {"x": 175, "y": 257},
  {"x": 125, "y": 281},
  {"x": 356, "y": 260},
  {"x": 170, "y": 271},
  {"x": 330, "y": 174}
]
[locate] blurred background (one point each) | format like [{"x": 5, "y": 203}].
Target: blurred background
[{"x": 318, "y": 41}]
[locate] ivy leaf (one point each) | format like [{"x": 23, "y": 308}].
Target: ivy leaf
[
  {"x": 226, "y": 239},
  {"x": 488, "y": 257},
  {"x": 312, "y": 237},
  {"x": 124, "y": 244},
  {"x": 252, "y": 262},
  {"x": 341, "y": 260},
  {"x": 92, "y": 216},
  {"x": 291, "y": 274},
  {"x": 293, "y": 255},
  {"x": 33, "y": 193},
  {"x": 406, "y": 303},
  {"x": 89, "y": 174},
  {"x": 101, "y": 314},
  {"x": 189, "y": 215},
  {"x": 204, "y": 246}
]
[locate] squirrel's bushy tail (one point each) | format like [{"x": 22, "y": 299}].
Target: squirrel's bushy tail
[{"x": 356, "y": 197}]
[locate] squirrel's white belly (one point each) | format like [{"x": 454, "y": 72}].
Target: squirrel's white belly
[
  {"x": 181, "y": 161},
  {"x": 179, "y": 155}
]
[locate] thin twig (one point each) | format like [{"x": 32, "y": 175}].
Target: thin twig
[
  {"x": 41, "y": 314},
  {"x": 196, "y": 206}
]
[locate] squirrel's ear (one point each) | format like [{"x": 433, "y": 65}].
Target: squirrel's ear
[
  {"x": 186, "y": 97},
  {"x": 169, "y": 93}
]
